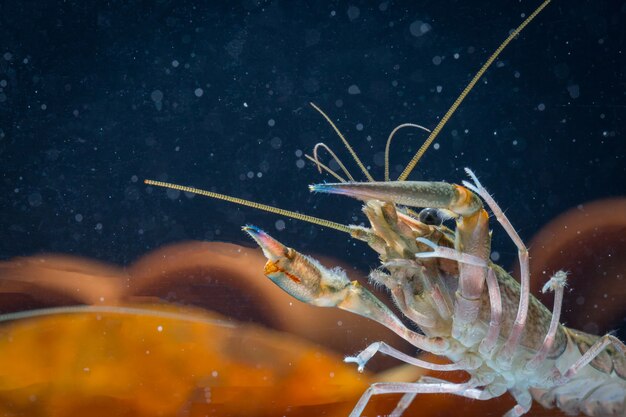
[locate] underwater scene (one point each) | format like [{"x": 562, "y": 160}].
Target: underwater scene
[{"x": 122, "y": 298}]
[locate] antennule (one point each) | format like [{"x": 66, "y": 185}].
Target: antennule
[{"x": 345, "y": 142}]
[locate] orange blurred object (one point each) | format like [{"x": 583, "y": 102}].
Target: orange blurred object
[
  {"x": 588, "y": 241},
  {"x": 142, "y": 365}
]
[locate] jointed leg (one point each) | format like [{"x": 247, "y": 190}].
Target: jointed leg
[
  {"x": 557, "y": 284},
  {"x": 493, "y": 288},
  {"x": 590, "y": 355},
  {"x": 403, "y": 404},
  {"x": 465, "y": 390},
  {"x": 408, "y": 398},
  {"x": 449, "y": 253},
  {"x": 522, "y": 312},
  {"x": 524, "y": 402},
  {"x": 307, "y": 280},
  {"x": 495, "y": 300},
  {"x": 364, "y": 356}
]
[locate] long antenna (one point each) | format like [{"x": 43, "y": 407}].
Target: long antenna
[
  {"x": 465, "y": 91},
  {"x": 258, "y": 206}
]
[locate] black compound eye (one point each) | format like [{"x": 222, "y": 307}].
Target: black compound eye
[{"x": 431, "y": 217}]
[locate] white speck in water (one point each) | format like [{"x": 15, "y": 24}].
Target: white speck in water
[
  {"x": 280, "y": 225},
  {"x": 159, "y": 328},
  {"x": 134, "y": 178},
  {"x": 276, "y": 142},
  {"x": 353, "y": 13},
  {"x": 300, "y": 163},
  {"x": 271, "y": 122},
  {"x": 175, "y": 63},
  {"x": 98, "y": 226},
  {"x": 35, "y": 199},
  {"x": 156, "y": 96},
  {"x": 495, "y": 256},
  {"x": 419, "y": 28},
  {"x": 214, "y": 374},
  {"x": 298, "y": 153},
  {"x": 79, "y": 217},
  {"x": 436, "y": 146},
  {"x": 245, "y": 104},
  {"x": 517, "y": 74},
  {"x": 354, "y": 89},
  {"x": 437, "y": 60},
  {"x": 439, "y": 88},
  {"x": 250, "y": 174},
  {"x": 172, "y": 194},
  {"x": 574, "y": 91},
  {"x": 359, "y": 126},
  {"x": 44, "y": 107},
  {"x": 541, "y": 107},
  {"x": 456, "y": 55},
  {"x": 198, "y": 92}
]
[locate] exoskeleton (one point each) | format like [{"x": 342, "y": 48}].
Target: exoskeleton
[{"x": 469, "y": 309}]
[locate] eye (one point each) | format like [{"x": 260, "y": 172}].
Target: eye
[{"x": 431, "y": 217}]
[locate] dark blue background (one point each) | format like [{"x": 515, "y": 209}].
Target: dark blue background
[{"x": 97, "y": 96}]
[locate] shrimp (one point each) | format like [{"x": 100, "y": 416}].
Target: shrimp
[{"x": 469, "y": 309}]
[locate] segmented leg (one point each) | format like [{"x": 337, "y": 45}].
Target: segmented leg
[
  {"x": 524, "y": 402},
  {"x": 495, "y": 300},
  {"x": 307, "y": 280},
  {"x": 403, "y": 404},
  {"x": 465, "y": 390},
  {"x": 513, "y": 341},
  {"x": 557, "y": 284},
  {"x": 449, "y": 253},
  {"x": 590, "y": 355},
  {"x": 408, "y": 398},
  {"x": 472, "y": 362}
]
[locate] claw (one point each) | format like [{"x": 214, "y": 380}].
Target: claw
[
  {"x": 272, "y": 249},
  {"x": 307, "y": 280},
  {"x": 409, "y": 193},
  {"x": 302, "y": 277}
]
